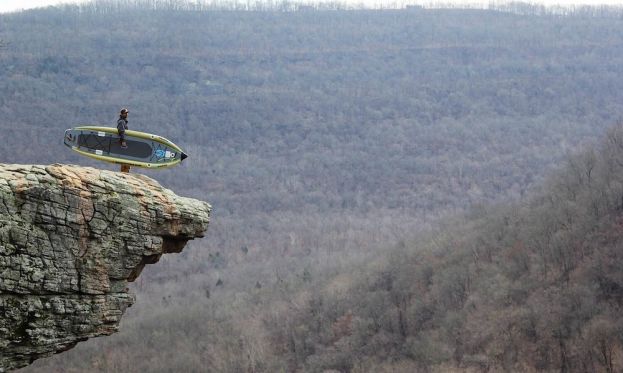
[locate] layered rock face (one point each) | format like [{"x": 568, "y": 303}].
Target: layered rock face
[{"x": 70, "y": 240}]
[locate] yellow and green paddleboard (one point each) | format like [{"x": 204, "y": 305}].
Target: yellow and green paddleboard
[{"x": 143, "y": 149}]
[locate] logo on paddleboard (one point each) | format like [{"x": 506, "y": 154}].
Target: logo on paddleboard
[{"x": 164, "y": 154}]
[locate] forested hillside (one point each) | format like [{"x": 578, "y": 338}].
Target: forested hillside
[
  {"x": 320, "y": 109},
  {"x": 333, "y": 145}
]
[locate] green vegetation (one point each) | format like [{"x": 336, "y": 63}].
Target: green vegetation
[{"x": 339, "y": 150}]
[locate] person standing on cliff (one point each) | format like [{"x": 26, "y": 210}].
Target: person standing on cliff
[{"x": 122, "y": 125}]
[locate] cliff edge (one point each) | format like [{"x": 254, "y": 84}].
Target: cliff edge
[{"x": 71, "y": 238}]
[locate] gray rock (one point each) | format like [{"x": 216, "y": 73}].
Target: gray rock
[{"x": 70, "y": 240}]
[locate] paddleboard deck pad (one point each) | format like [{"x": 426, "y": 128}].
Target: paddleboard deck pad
[{"x": 143, "y": 149}]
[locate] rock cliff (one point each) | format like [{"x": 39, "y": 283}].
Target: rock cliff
[{"x": 71, "y": 238}]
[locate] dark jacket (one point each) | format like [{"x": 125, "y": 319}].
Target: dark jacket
[{"x": 122, "y": 125}]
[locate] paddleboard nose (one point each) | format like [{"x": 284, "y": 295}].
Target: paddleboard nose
[{"x": 184, "y": 156}]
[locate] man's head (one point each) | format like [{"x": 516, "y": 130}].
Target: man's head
[{"x": 124, "y": 112}]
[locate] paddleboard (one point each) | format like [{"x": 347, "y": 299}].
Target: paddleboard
[{"x": 143, "y": 149}]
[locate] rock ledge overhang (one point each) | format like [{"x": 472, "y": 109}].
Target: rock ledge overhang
[{"x": 71, "y": 238}]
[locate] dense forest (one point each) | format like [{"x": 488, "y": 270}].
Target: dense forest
[{"x": 378, "y": 179}]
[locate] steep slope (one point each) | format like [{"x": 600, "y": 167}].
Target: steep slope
[
  {"x": 71, "y": 238},
  {"x": 532, "y": 286}
]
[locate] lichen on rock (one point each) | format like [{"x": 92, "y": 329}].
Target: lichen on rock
[{"x": 70, "y": 240}]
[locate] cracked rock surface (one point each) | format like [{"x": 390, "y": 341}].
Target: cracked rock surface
[{"x": 71, "y": 238}]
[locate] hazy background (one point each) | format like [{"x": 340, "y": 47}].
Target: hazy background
[{"x": 393, "y": 190}]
